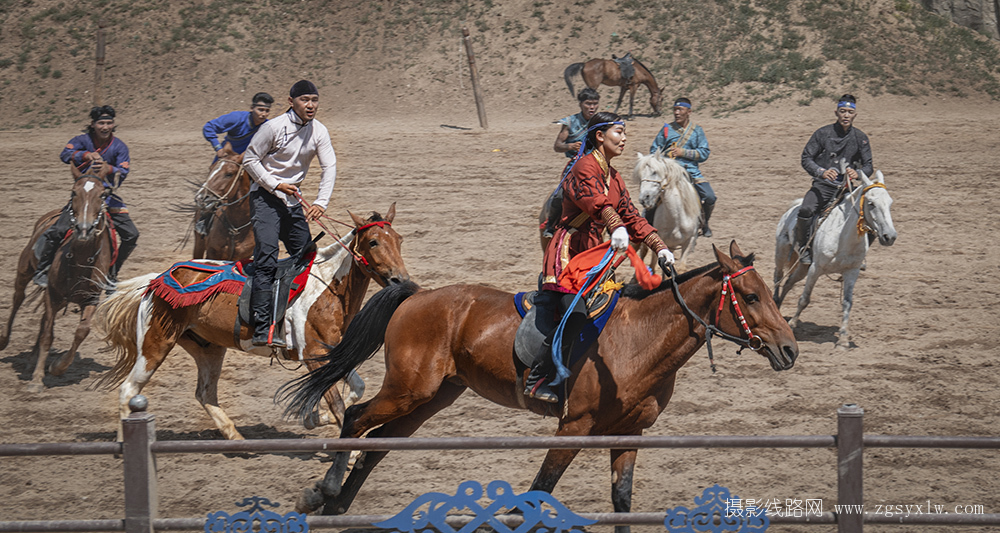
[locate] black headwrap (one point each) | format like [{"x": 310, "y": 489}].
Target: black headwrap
[
  {"x": 302, "y": 87},
  {"x": 105, "y": 112}
]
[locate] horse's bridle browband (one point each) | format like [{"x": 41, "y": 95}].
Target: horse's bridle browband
[{"x": 753, "y": 341}]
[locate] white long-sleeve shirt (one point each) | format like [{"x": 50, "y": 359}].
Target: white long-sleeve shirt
[{"x": 281, "y": 151}]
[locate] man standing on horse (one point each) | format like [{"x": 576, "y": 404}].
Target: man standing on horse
[
  {"x": 277, "y": 160},
  {"x": 96, "y": 150},
  {"x": 685, "y": 141},
  {"x": 571, "y": 135},
  {"x": 238, "y": 126},
  {"x": 828, "y": 148}
]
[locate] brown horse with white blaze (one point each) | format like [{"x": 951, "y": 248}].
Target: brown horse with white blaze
[
  {"x": 440, "y": 342},
  {"x": 142, "y": 327},
  {"x": 606, "y": 71},
  {"x": 78, "y": 273}
]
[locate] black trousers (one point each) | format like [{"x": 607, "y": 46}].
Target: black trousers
[
  {"x": 821, "y": 194},
  {"x": 129, "y": 236},
  {"x": 273, "y": 221}
]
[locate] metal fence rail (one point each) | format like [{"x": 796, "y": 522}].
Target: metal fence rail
[{"x": 140, "y": 446}]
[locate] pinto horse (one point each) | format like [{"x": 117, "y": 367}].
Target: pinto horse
[
  {"x": 225, "y": 194},
  {"x": 78, "y": 272},
  {"x": 142, "y": 328},
  {"x": 440, "y": 342},
  {"x": 606, "y": 71}
]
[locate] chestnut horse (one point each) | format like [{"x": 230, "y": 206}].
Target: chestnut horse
[
  {"x": 142, "y": 328},
  {"x": 226, "y": 195},
  {"x": 440, "y": 342},
  {"x": 606, "y": 71},
  {"x": 78, "y": 272}
]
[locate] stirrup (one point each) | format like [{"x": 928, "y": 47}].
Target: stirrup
[
  {"x": 41, "y": 278},
  {"x": 541, "y": 391},
  {"x": 805, "y": 256}
]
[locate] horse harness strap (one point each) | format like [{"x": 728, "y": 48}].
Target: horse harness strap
[
  {"x": 753, "y": 342},
  {"x": 863, "y": 226}
]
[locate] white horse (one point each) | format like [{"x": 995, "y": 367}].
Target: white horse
[
  {"x": 664, "y": 183},
  {"x": 839, "y": 246}
]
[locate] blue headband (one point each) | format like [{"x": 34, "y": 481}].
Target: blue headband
[
  {"x": 845, "y": 103},
  {"x": 682, "y": 104}
]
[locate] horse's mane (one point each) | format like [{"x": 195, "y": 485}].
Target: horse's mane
[
  {"x": 636, "y": 59},
  {"x": 635, "y": 292}
]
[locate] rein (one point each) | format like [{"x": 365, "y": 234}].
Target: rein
[
  {"x": 358, "y": 258},
  {"x": 753, "y": 342},
  {"x": 863, "y": 226}
]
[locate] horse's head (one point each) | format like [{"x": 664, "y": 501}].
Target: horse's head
[
  {"x": 222, "y": 183},
  {"x": 87, "y": 205},
  {"x": 654, "y": 173},
  {"x": 379, "y": 245},
  {"x": 654, "y": 101},
  {"x": 874, "y": 204},
  {"x": 776, "y": 340}
]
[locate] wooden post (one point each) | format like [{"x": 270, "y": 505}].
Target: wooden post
[
  {"x": 480, "y": 106},
  {"x": 99, "y": 69},
  {"x": 139, "y": 432},
  {"x": 850, "y": 476}
]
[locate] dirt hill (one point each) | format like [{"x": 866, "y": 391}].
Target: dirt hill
[{"x": 191, "y": 60}]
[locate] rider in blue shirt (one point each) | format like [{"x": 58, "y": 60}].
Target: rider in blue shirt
[
  {"x": 571, "y": 135},
  {"x": 97, "y": 147},
  {"x": 238, "y": 126},
  {"x": 685, "y": 141}
]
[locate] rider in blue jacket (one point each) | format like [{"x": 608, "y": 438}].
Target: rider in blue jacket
[
  {"x": 685, "y": 141},
  {"x": 238, "y": 126},
  {"x": 97, "y": 147}
]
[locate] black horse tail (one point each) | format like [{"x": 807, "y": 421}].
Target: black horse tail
[
  {"x": 364, "y": 336},
  {"x": 572, "y": 70}
]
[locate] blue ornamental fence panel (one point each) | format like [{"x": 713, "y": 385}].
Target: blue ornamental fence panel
[
  {"x": 714, "y": 512},
  {"x": 256, "y": 519}
]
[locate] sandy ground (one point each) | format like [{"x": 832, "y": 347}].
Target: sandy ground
[{"x": 924, "y": 329}]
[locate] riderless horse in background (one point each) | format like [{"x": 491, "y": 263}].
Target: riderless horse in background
[
  {"x": 839, "y": 246},
  {"x": 666, "y": 186},
  {"x": 440, "y": 342},
  {"x": 608, "y": 72},
  {"x": 78, "y": 273},
  {"x": 142, "y": 327}
]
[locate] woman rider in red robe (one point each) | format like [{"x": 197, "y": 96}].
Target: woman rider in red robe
[{"x": 595, "y": 199}]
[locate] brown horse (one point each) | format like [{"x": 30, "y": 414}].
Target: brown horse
[
  {"x": 440, "y": 342},
  {"x": 606, "y": 71},
  {"x": 224, "y": 200},
  {"x": 143, "y": 328},
  {"x": 78, "y": 272}
]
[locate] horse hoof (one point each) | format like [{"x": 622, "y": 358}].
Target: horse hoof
[
  {"x": 843, "y": 345},
  {"x": 35, "y": 387},
  {"x": 310, "y": 500},
  {"x": 793, "y": 323}
]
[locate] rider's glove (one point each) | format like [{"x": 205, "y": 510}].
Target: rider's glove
[
  {"x": 665, "y": 254},
  {"x": 619, "y": 238}
]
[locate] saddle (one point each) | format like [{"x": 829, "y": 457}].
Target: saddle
[
  {"x": 598, "y": 305},
  {"x": 625, "y": 65},
  {"x": 289, "y": 280}
]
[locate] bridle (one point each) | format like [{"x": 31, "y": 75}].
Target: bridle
[
  {"x": 863, "y": 226},
  {"x": 752, "y": 341}
]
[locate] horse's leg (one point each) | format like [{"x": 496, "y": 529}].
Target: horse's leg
[
  {"x": 631, "y": 98},
  {"x": 382, "y": 410},
  {"x": 20, "y": 286},
  {"x": 44, "y": 343},
  {"x": 199, "y": 243},
  {"x": 794, "y": 276},
  {"x": 621, "y": 95},
  {"x": 154, "y": 345},
  {"x": 622, "y": 467},
  {"x": 209, "y": 360},
  {"x": 59, "y": 367},
  {"x": 847, "y": 299},
  {"x": 811, "y": 277},
  {"x": 356, "y": 386}
]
